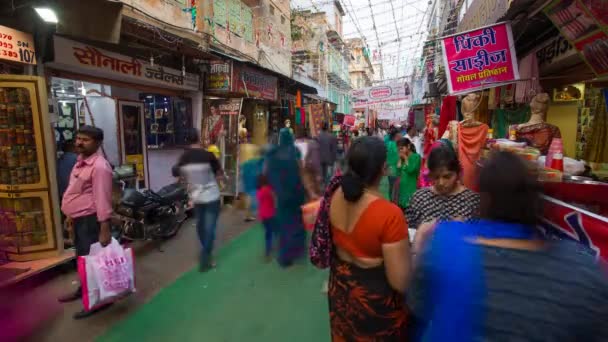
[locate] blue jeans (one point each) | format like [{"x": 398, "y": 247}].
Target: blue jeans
[
  {"x": 269, "y": 232},
  {"x": 206, "y": 225}
]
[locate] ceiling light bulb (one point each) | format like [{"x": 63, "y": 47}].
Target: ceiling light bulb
[{"x": 47, "y": 14}]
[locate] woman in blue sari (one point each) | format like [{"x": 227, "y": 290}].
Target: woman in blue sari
[{"x": 282, "y": 168}]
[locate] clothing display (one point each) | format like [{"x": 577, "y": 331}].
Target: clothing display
[
  {"x": 502, "y": 119},
  {"x": 447, "y": 114},
  {"x": 536, "y": 132},
  {"x": 471, "y": 139},
  {"x": 597, "y": 147},
  {"x": 427, "y": 205},
  {"x": 539, "y": 135}
]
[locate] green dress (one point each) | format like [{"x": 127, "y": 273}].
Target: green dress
[
  {"x": 409, "y": 174},
  {"x": 392, "y": 158}
]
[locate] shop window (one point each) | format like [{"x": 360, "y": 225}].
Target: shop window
[{"x": 168, "y": 120}]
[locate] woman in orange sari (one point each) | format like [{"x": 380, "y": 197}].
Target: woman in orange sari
[{"x": 370, "y": 263}]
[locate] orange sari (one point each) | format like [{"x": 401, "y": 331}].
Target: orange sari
[{"x": 471, "y": 139}]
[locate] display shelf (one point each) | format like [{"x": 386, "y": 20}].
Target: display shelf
[
  {"x": 22, "y": 165},
  {"x": 25, "y": 223}
]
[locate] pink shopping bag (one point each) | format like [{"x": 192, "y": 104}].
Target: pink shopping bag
[{"x": 106, "y": 274}]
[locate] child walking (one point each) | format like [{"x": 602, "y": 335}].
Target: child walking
[{"x": 266, "y": 211}]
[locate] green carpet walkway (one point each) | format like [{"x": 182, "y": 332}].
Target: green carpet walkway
[{"x": 243, "y": 300}]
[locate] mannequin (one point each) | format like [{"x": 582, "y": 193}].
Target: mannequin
[
  {"x": 242, "y": 129},
  {"x": 536, "y": 132},
  {"x": 468, "y": 138}
]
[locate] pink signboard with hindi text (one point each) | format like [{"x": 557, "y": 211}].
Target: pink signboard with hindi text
[{"x": 481, "y": 58}]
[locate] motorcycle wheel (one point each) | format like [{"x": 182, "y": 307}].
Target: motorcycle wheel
[{"x": 181, "y": 217}]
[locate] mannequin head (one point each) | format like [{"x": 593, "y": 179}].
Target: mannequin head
[
  {"x": 469, "y": 104},
  {"x": 539, "y": 105}
]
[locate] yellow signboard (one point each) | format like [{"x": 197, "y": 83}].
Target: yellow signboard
[{"x": 17, "y": 46}]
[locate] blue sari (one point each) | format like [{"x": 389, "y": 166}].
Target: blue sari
[
  {"x": 283, "y": 172},
  {"x": 452, "y": 308}
]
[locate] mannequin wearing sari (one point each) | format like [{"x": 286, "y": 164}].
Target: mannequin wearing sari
[
  {"x": 468, "y": 137},
  {"x": 536, "y": 132}
]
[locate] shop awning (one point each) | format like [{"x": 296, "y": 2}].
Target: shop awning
[{"x": 318, "y": 98}]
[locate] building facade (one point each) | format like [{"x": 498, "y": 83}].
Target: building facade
[
  {"x": 319, "y": 51},
  {"x": 360, "y": 67}
]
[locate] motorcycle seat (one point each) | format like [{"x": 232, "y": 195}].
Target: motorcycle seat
[{"x": 172, "y": 192}]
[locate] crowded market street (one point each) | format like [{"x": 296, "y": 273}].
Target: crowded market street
[{"x": 303, "y": 170}]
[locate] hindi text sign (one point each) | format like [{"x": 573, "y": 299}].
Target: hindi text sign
[
  {"x": 480, "y": 58},
  {"x": 392, "y": 92},
  {"x": 219, "y": 76},
  {"x": 253, "y": 83}
]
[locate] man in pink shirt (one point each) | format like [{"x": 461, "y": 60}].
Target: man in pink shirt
[{"x": 87, "y": 201}]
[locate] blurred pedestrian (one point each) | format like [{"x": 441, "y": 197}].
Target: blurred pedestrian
[
  {"x": 392, "y": 158},
  {"x": 311, "y": 163},
  {"x": 447, "y": 198},
  {"x": 282, "y": 169},
  {"x": 408, "y": 172},
  {"x": 414, "y": 137},
  {"x": 367, "y": 248},
  {"x": 87, "y": 200},
  {"x": 266, "y": 212},
  {"x": 203, "y": 172},
  {"x": 328, "y": 145},
  {"x": 251, "y": 167},
  {"x": 499, "y": 279}
]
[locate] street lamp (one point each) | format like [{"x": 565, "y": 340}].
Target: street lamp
[{"x": 47, "y": 14}]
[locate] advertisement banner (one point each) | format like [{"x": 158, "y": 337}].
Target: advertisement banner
[
  {"x": 480, "y": 58},
  {"x": 17, "y": 46},
  {"x": 392, "y": 92},
  {"x": 254, "y": 83},
  {"x": 349, "y": 120},
  {"x": 565, "y": 221},
  {"x": 219, "y": 77}
]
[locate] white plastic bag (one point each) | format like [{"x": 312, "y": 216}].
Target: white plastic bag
[{"x": 106, "y": 274}]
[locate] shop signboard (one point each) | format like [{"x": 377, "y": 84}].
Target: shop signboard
[
  {"x": 481, "y": 58},
  {"x": 17, "y": 46},
  {"x": 84, "y": 58},
  {"x": 565, "y": 221},
  {"x": 220, "y": 73},
  {"x": 555, "y": 51},
  {"x": 392, "y": 92},
  {"x": 253, "y": 83},
  {"x": 583, "y": 23}
]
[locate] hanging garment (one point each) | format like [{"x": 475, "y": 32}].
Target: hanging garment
[
  {"x": 504, "y": 118},
  {"x": 471, "y": 140},
  {"x": 448, "y": 113},
  {"x": 597, "y": 147},
  {"x": 528, "y": 69}
]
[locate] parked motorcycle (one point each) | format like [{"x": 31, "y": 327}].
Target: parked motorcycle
[{"x": 149, "y": 215}]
